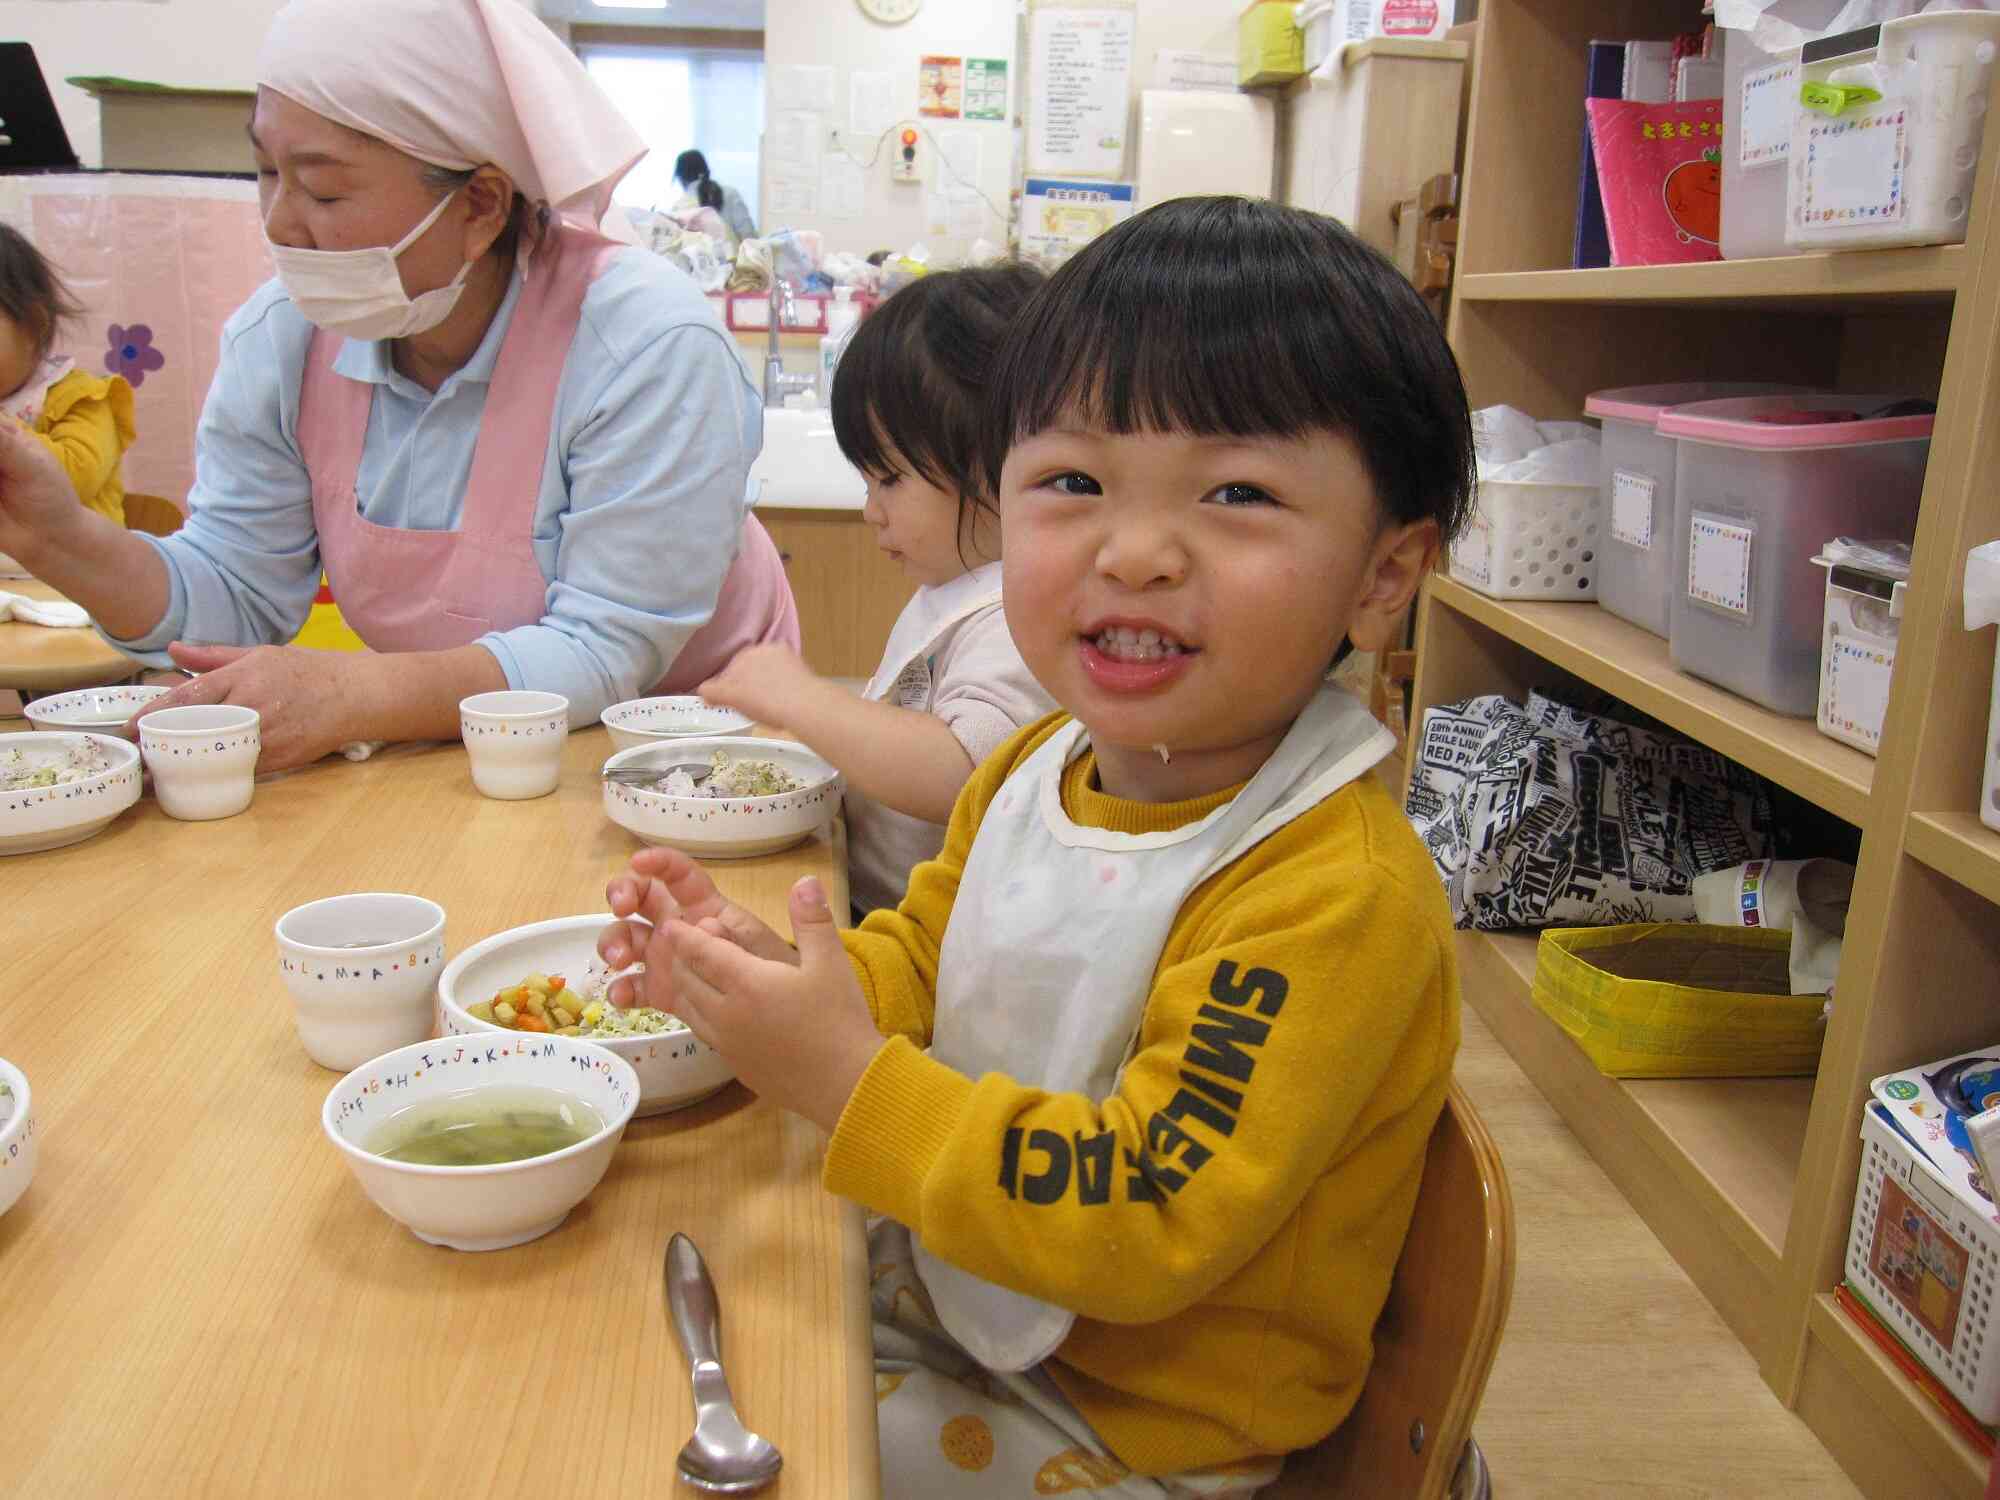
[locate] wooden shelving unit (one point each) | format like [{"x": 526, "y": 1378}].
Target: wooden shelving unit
[{"x": 1749, "y": 1182}]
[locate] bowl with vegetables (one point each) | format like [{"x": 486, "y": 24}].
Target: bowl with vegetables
[
  {"x": 58, "y": 789},
  {"x": 17, "y": 1135},
  {"x": 545, "y": 979},
  {"x": 649, "y": 721},
  {"x": 723, "y": 798},
  {"x": 477, "y": 1144}
]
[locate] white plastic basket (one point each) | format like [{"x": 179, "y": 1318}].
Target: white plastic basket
[
  {"x": 1930, "y": 1272},
  {"x": 1532, "y": 541}
]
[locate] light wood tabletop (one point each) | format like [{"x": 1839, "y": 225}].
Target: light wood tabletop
[
  {"x": 36, "y": 659},
  {"x": 196, "y": 1299}
]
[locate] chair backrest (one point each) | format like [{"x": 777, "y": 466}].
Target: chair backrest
[
  {"x": 1436, "y": 1338},
  {"x": 152, "y": 514}
]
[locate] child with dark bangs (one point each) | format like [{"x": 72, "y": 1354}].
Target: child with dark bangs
[
  {"x": 951, "y": 686},
  {"x": 1140, "y": 1074}
]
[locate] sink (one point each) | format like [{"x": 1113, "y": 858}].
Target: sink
[{"x": 801, "y": 466}]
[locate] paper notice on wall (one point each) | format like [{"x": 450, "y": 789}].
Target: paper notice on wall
[
  {"x": 802, "y": 87},
  {"x": 840, "y": 187},
  {"x": 940, "y": 86},
  {"x": 792, "y": 167},
  {"x": 871, "y": 102},
  {"x": 1079, "y": 84},
  {"x": 965, "y": 213},
  {"x": 958, "y": 161},
  {"x": 1194, "y": 70},
  {"x": 986, "y": 88},
  {"x": 1060, "y": 218}
]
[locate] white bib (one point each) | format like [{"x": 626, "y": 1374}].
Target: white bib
[
  {"x": 1049, "y": 954},
  {"x": 930, "y": 613}
]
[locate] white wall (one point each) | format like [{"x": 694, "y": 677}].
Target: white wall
[{"x": 835, "y": 33}]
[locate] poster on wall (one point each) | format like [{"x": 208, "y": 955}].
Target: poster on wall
[
  {"x": 1058, "y": 218},
  {"x": 1079, "y": 85},
  {"x": 940, "y": 86},
  {"x": 986, "y": 88}
]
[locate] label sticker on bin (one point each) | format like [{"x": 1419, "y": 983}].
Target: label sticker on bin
[
  {"x": 1854, "y": 170},
  {"x": 1857, "y": 686},
  {"x": 1920, "y": 1261},
  {"x": 1632, "y": 508},
  {"x": 1719, "y": 564},
  {"x": 1472, "y": 552},
  {"x": 1765, "y": 134}
]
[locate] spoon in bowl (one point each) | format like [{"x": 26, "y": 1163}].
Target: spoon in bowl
[
  {"x": 646, "y": 776},
  {"x": 723, "y": 1457}
]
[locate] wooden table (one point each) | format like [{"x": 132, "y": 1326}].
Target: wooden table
[
  {"x": 36, "y": 659},
  {"x": 197, "y": 1300}
]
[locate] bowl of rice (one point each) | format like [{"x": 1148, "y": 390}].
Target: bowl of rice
[
  {"x": 516, "y": 982},
  {"x": 649, "y": 721},
  {"x": 58, "y": 789},
  {"x": 759, "y": 795}
]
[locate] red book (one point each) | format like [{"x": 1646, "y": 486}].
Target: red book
[
  {"x": 1659, "y": 171},
  {"x": 1919, "y": 1375}
]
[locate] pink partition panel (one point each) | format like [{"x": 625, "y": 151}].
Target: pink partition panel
[{"x": 159, "y": 264}]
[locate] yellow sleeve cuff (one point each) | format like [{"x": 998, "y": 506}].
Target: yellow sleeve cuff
[
  {"x": 890, "y": 982},
  {"x": 894, "y": 1129}
]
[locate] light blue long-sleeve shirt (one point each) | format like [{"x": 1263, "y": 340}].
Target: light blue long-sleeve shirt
[{"x": 643, "y": 488}]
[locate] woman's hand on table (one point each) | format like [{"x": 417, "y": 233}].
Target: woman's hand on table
[
  {"x": 767, "y": 682},
  {"x": 797, "y": 1030},
  {"x": 310, "y": 703}
]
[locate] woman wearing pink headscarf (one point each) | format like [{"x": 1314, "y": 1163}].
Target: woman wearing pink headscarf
[{"x": 518, "y": 450}]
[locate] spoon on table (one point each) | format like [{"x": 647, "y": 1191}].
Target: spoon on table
[
  {"x": 698, "y": 772},
  {"x": 723, "y": 1456}
]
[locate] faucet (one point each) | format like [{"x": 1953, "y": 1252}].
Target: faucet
[{"x": 778, "y": 382}]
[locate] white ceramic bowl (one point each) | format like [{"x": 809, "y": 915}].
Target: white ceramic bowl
[
  {"x": 98, "y": 710},
  {"x": 647, "y": 721},
  {"x": 674, "y": 1069},
  {"x": 17, "y": 1135},
  {"x": 203, "y": 757},
  {"x": 480, "y": 1208},
  {"x": 361, "y": 970},
  {"x": 724, "y": 827},
  {"x": 514, "y": 740},
  {"x": 51, "y": 816}
]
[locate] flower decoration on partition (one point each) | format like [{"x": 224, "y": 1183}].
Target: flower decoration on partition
[{"x": 132, "y": 353}]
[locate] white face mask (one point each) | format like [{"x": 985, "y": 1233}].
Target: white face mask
[{"x": 359, "y": 293}]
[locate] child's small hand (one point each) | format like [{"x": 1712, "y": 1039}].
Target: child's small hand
[
  {"x": 664, "y": 885},
  {"x": 36, "y": 497},
  {"x": 765, "y": 682},
  {"x": 798, "y": 1034}
]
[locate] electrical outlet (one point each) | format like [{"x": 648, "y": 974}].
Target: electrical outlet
[{"x": 907, "y": 162}]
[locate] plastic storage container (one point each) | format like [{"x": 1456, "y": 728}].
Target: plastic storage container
[
  {"x": 1982, "y": 607},
  {"x": 1890, "y": 156},
  {"x": 1636, "y": 564},
  {"x": 1759, "y": 484},
  {"x": 1269, "y": 48},
  {"x": 1857, "y": 653},
  {"x": 1760, "y": 94},
  {"x": 1927, "y": 1264},
  {"x": 1530, "y": 540},
  {"x": 1315, "y": 22}
]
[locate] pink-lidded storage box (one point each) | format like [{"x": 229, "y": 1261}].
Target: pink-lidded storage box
[
  {"x": 1636, "y": 559},
  {"x": 1759, "y": 483}
]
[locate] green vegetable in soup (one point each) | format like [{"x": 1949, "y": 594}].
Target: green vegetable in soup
[{"x": 485, "y": 1126}]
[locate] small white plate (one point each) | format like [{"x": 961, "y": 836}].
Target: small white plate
[
  {"x": 724, "y": 827},
  {"x": 647, "y": 721},
  {"x": 98, "y": 710},
  {"x": 49, "y": 817}
]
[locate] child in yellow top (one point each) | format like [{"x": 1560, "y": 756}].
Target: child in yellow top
[
  {"x": 85, "y": 419},
  {"x": 1183, "y": 970}
]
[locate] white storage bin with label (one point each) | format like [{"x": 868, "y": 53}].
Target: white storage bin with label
[
  {"x": 1864, "y": 619},
  {"x": 1759, "y": 484},
  {"x": 1529, "y": 540},
  {"x": 1885, "y": 144},
  {"x": 1636, "y": 565},
  {"x": 1982, "y": 607},
  {"x": 1315, "y": 22},
  {"x": 1760, "y": 94},
  {"x": 1927, "y": 1264}
]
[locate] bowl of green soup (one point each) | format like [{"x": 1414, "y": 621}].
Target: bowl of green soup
[{"x": 479, "y": 1143}]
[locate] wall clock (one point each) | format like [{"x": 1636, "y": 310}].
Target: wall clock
[{"x": 889, "y": 12}]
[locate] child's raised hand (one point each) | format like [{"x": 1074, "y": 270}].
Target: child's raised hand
[
  {"x": 36, "y": 496},
  {"x": 765, "y": 682},
  {"x": 662, "y": 886},
  {"x": 798, "y": 1034}
]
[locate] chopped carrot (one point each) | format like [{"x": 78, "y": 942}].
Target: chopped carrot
[
  {"x": 528, "y": 1021},
  {"x": 556, "y": 984}
]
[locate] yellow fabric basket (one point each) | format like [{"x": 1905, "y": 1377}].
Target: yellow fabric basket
[{"x": 1679, "y": 1000}]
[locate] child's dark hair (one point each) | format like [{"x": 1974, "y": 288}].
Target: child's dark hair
[
  {"x": 911, "y": 385},
  {"x": 31, "y": 293},
  {"x": 1241, "y": 318}
]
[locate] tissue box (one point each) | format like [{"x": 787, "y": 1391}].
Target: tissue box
[
  {"x": 1269, "y": 46},
  {"x": 1864, "y": 620}
]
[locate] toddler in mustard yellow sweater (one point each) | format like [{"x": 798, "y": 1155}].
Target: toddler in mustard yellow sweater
[
  {"x": 85, "y": 419},
  {"x": 1140, "y": 1074}
]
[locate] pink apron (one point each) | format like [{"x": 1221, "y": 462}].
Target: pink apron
[{"x": 434, "y": 590}]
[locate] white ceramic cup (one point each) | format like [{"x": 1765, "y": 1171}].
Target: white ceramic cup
[
  {"x": 203, "y": 758},
  {"x": 515, "y": 741},
  {"x": 362, "y": 971}
]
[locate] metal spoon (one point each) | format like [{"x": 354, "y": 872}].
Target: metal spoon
[
  {"x": 723, "y": 1456},
  {"x": 647, "y": 775}
]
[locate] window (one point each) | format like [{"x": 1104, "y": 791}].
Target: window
[{"x": 707, "y": 98}]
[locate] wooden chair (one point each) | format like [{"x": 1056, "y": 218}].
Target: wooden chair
[
  {"x": 1410, "y": 1436},
  {"x": 152, "y": 514}
]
